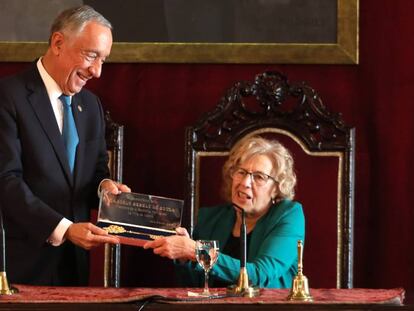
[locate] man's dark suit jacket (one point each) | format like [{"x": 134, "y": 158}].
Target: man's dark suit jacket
[{"x": 36, "y": 186}]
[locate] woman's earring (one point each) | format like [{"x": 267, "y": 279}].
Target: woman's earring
[{"x": 273, "y": 201}]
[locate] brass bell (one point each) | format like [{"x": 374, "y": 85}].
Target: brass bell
[{"x": 300, "y": 287}]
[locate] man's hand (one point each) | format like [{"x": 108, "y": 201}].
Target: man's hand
[
  {"x": 87, "y": 235},
  {"x": 114, "y": 187}
]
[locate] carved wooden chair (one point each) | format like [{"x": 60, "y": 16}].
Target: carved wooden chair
[
  {"x": 115, "y": 144},
  {"x": 323, "y": 148}
]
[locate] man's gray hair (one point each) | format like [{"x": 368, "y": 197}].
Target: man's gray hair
[{"x": 74, "y": 19}]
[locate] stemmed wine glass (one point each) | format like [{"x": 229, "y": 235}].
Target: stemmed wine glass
[{"x": 206, "y": 253}]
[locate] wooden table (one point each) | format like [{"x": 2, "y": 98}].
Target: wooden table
[{"x": 97, "y": 298}]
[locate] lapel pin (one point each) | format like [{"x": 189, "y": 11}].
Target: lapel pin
[{"x": 79, "y": 108}]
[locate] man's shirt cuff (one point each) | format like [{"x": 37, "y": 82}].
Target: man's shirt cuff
[{"x": 57, "y": 236}]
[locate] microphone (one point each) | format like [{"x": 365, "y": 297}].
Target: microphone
[
  {"x": 5, "y": 289},
  {"x": 243, "y": 241},
  {"x": 242, "y": 288}
]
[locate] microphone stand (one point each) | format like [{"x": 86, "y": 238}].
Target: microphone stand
[
  {"x": 5, "y": 289},
  {"x": 242, "y": 288}
]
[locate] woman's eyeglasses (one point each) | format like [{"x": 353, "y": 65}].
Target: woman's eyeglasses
[{"x": 258, "y": 178}]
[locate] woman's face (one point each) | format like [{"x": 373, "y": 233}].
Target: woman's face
[{"x": 254, "y": 199}]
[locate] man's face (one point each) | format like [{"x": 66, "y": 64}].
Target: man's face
[{"x": 81, "y": 56}]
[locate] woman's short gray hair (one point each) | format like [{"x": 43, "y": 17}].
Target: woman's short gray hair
[
  {"x": 282, "y": 172},
  {"x": 74, "y": 19}
]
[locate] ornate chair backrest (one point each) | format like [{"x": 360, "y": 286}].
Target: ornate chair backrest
[
  {"x": 114, "y": 136},
  {"x": 323, "y": 148}
]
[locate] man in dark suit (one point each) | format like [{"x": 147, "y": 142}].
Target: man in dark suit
[{"x": 46, "y": 195}]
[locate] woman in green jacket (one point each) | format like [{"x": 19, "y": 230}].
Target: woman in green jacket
[{"x": 259, "y": 178}]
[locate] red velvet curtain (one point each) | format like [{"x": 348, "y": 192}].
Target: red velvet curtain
[{"x": 156, "y": 102}]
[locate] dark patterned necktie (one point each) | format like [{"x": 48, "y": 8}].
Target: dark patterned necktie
[{"x": 69, "y": 132}]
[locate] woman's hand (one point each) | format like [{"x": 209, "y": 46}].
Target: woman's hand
[
  {"x": 182, "y": 232},
  {"x": 178, "y": 246}
]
